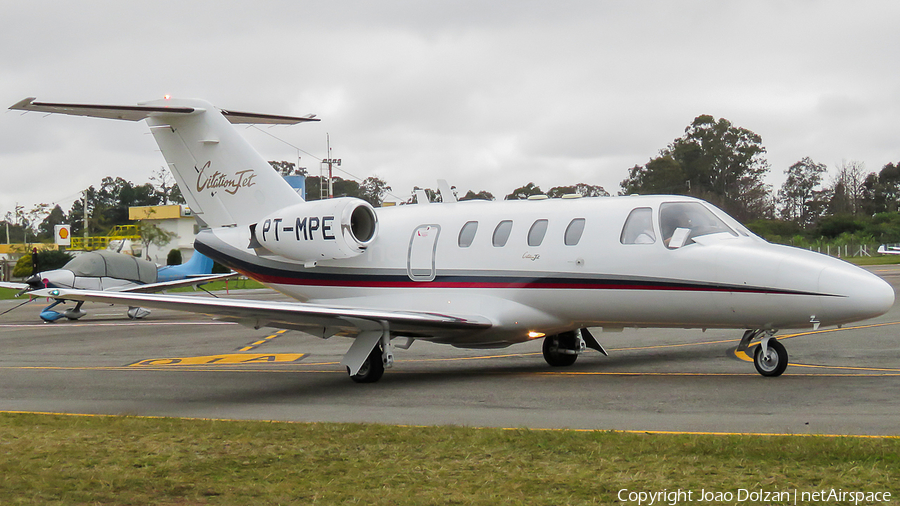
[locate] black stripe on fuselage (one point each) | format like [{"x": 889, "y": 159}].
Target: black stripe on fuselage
[{"x": 308, "y": 277}]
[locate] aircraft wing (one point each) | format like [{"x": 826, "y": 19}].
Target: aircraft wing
[
  {"x": 190, "y": 281},
  {"x": 319, "y": 320},
  {"x": 14, "y": 286}
]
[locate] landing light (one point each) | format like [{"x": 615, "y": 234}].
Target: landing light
[
  {"x": 167, "y": 97},
  {"x": 535, "y": 335}
]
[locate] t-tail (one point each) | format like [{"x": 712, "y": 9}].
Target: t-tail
[
  {"x": 223, "y": 179},
  {"x": 232, "y": 189}
]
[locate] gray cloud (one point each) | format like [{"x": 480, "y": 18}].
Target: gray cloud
[{"x": 487, "y": 95}]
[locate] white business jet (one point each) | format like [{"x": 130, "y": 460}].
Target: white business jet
[{"x": 477, "y": 274}]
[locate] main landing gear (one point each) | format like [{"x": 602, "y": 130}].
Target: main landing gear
[
  {"x": 561, "y": 350},
  {"x": 373, "y": 368},
  {"x": 770, "y": 357},
  {"x": 50, "y": 315}
]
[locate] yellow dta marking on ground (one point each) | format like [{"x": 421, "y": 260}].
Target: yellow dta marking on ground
[{"x": 227, "y": 359}]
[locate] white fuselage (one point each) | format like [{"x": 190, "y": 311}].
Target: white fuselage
[{"x": 422, "y": 259}]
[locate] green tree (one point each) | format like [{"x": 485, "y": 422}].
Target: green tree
[
  {"x": 24, "y": 267},
  {"x": 583, "y": 189},
  {"x": 881, "y": 192},
  {"x": 482, "y": 195},
  {"x": 151, "y": 233},
  {"x": 174, "y": 257},
  {"x": 286, "y": 168},
  {"x": 661, "y": 175},
  {"x": 372, "y": 190},
  {"x": 798, "y": 190},
  {"x": 341, "y": 187},
  {"x": 165, "y": 187},
  {"x": 47, "y": 227},
  {"x": 433, "y": 196},
  {"x": 52, "y": 259},
  {"x": 848, "y": 190},
  {"x": 524, "y": 192},
  {"x": 713, "y": 160}
]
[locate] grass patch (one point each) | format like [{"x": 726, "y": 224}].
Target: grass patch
[
  {"x": 876, "y": 260},
  {"x": 7, "y": 293},
  {"x": 51, "y": 459}
]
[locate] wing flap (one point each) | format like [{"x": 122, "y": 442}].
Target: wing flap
[{"x": 293, "y": 315}]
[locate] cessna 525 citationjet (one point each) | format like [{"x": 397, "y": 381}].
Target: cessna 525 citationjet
[{"x": 476, "y": 274}]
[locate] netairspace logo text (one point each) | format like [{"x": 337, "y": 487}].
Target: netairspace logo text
[{"x": 743, "y": 495}]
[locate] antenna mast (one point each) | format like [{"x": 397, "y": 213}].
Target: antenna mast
[{"x": 326, "y": 183}]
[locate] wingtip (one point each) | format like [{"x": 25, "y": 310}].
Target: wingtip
[{"x": 22, "y": 105}]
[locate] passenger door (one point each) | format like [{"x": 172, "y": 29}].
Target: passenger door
[{"x": 422, "y": 248}]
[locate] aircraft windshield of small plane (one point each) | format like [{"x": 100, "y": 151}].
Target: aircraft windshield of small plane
[
  {"x": 681, "y": 222},
  {"x": 638, "y": 227}
]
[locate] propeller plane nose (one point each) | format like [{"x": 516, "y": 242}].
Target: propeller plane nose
[{"x": 36, "y": 281}]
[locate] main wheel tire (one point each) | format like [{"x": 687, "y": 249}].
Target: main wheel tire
[
  {"x": 553, "y": 356},
  {"x": 372, "y": 369},
  {"x": 774, "y": 362}
]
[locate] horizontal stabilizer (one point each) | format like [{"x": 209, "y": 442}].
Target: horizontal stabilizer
[{"x": 139, "y": 112}]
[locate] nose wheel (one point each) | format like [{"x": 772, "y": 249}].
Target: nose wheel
[{"x": 770, "y": 358}]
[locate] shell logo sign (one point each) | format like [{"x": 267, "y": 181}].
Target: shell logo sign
[{"x": 63, "y": 235}]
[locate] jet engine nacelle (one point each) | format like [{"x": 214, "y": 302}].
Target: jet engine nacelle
[{"x": 319, "y": 230}]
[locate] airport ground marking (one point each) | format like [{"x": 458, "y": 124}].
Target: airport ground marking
[
  {"x": 262, "y": 341},
  {"x": 225, "y": 359}
]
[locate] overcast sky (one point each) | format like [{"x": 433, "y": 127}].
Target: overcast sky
[{"x": 488, "y": 95}]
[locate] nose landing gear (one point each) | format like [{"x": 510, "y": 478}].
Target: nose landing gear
[{"x": 770, "y": 358}]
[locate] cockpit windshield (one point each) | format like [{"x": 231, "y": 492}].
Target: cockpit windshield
[{"x": 681, "y": 222}]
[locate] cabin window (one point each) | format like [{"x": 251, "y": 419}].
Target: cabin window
[
  {"x": 574, "y": 231},
  {"x": 501, "y": 233},
  {"x": 681, "y": 222},
  {"x": 467, "y": 234},
  {"x": 537, "y": 232},
  {"x": 638, "y": 227}
]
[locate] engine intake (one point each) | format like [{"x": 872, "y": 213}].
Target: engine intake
[{"x": 319, "y": 230}]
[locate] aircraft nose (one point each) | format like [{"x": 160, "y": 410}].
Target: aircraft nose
[
  {"x": 860, "y": 294},
  {"x": 36, "y": 281}
]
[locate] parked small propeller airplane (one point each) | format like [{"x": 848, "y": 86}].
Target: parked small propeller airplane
[
  {"x": 889, "y": 249},
  {"x": 477, "y": 274},
  {"x": 108, "y": 270}
]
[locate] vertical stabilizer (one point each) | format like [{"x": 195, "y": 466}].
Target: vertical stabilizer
[
  {"x": 223, "y": 179},
  {"x": 197, "y": 265}
]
